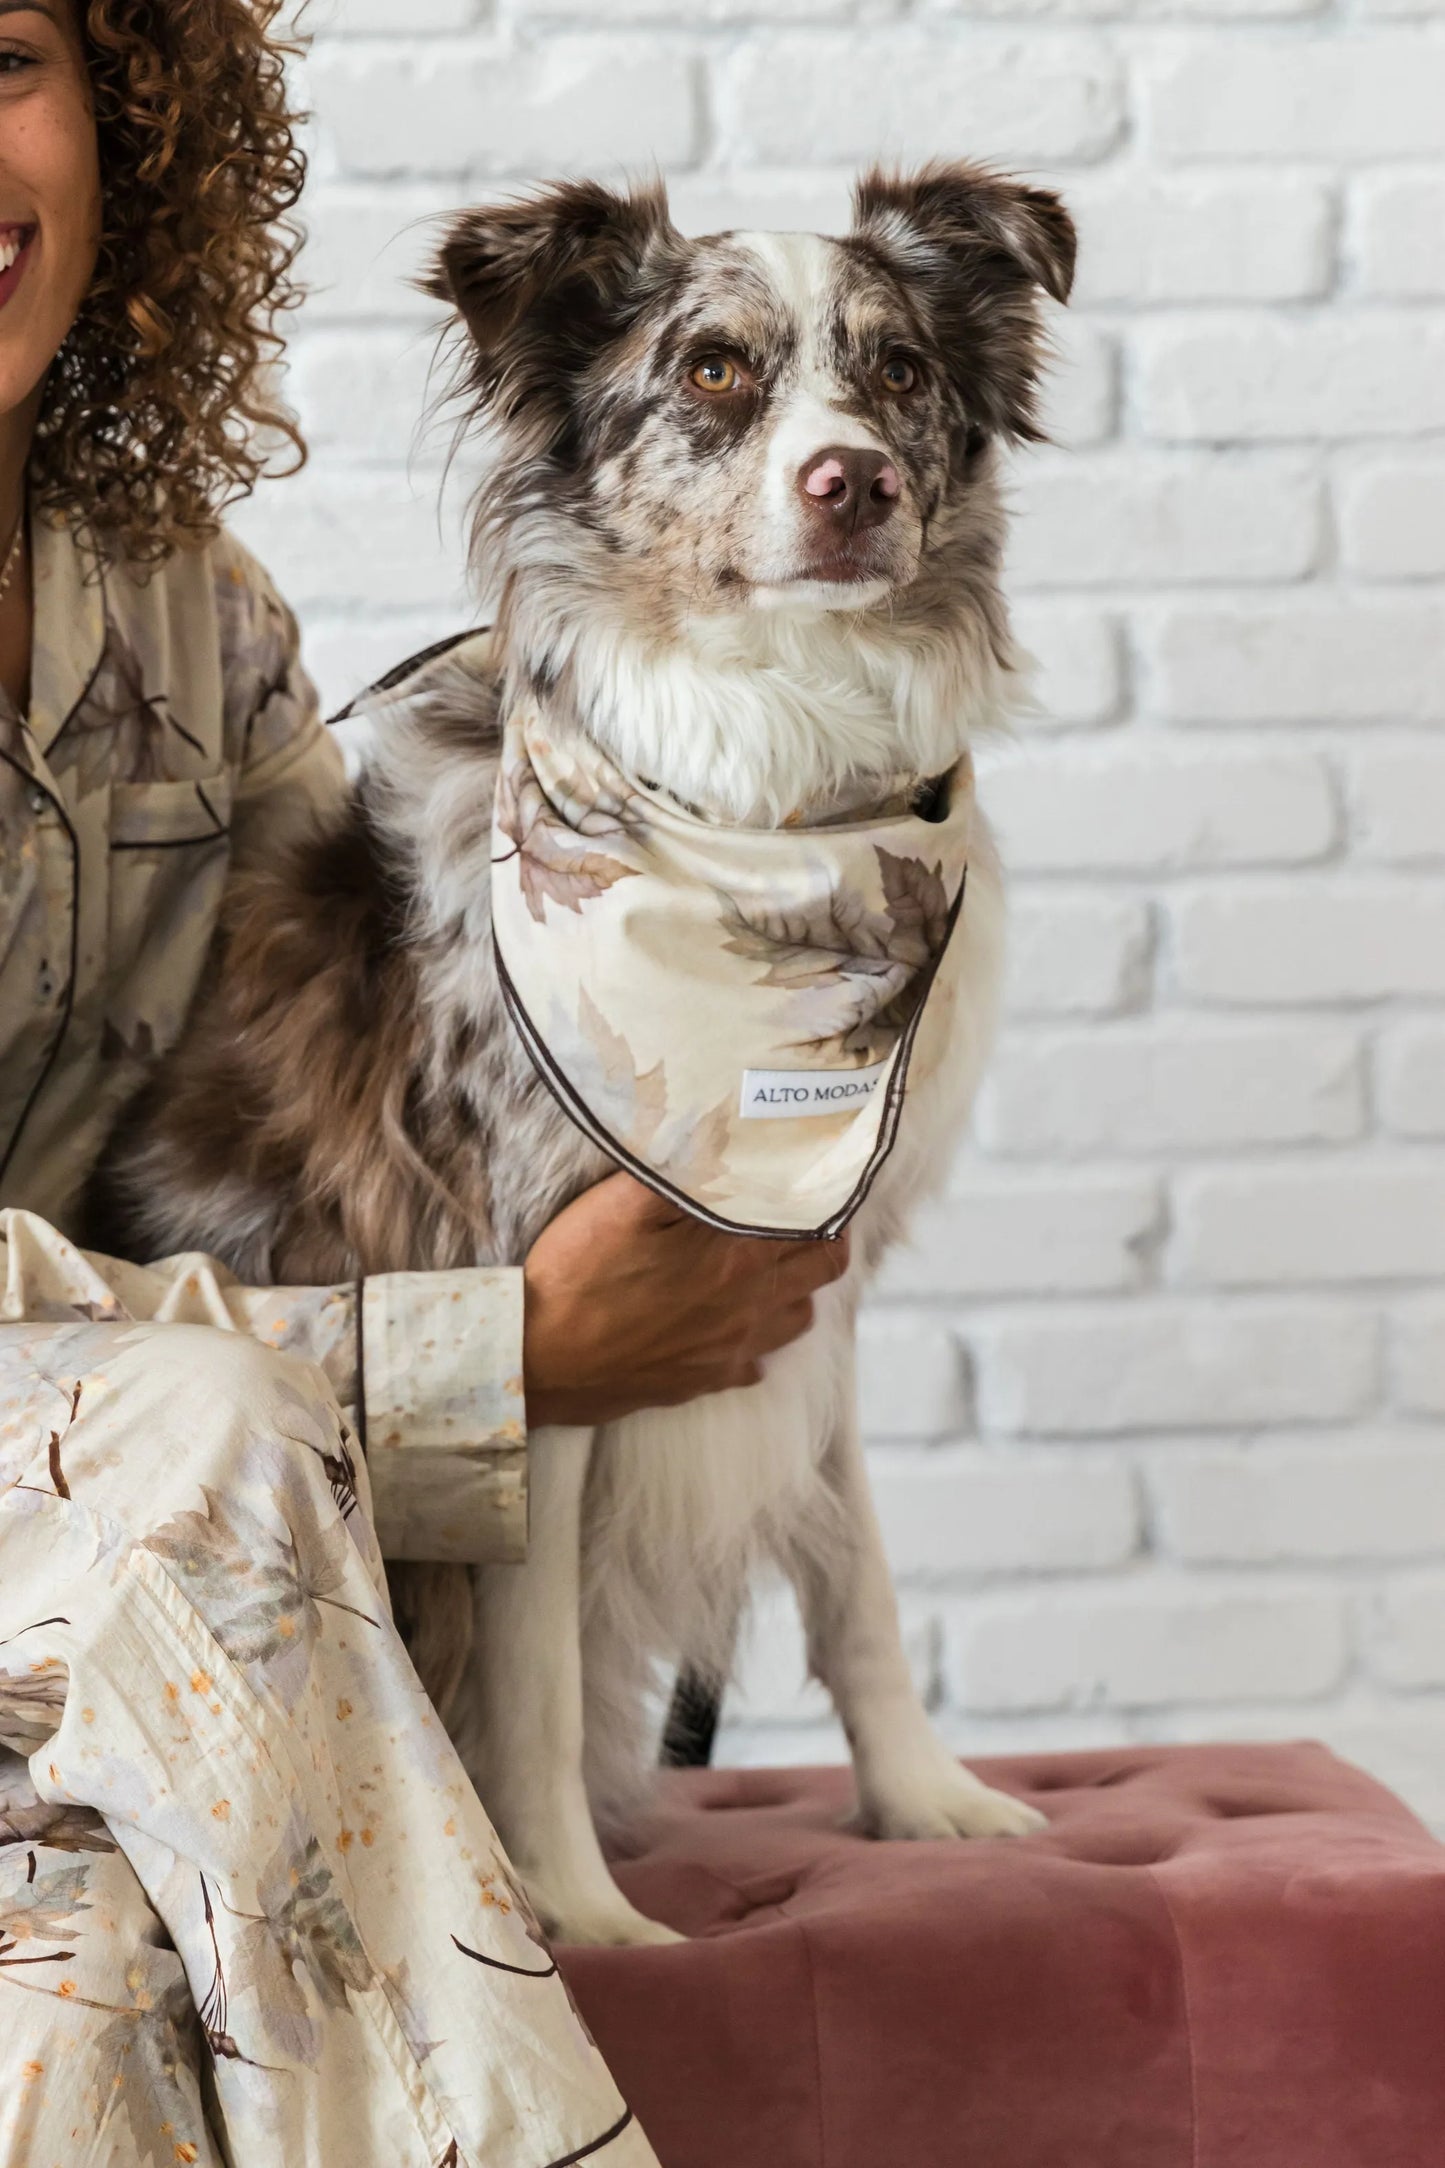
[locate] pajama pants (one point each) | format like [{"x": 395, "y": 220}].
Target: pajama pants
[{"x": 251, "y": 1910}]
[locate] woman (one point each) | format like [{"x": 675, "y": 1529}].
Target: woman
[{"x": 250, "y": 1909}]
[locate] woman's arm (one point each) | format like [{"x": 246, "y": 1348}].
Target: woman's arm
[{"x": 627, "y": 1304}]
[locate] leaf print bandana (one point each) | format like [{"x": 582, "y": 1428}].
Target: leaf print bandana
[{"x": 733, "y": 1014}]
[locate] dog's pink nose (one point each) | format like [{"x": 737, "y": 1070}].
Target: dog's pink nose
[
  {"x": 825, "y": 478},
  {"x": 849, "y": 488}
]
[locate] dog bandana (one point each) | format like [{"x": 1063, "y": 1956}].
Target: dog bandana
[{"x": 730, "y": 1013}]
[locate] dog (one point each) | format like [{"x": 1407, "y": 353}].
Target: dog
[{"x": 744, "y": 520}]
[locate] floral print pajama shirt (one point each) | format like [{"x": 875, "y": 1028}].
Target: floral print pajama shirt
[{"x": 251, "y": 1910}]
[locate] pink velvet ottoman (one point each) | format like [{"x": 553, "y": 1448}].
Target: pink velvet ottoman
[{"x": 1218, "y": 1957}]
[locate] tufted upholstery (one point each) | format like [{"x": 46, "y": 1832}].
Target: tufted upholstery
[{"x": 1218, "y": 1957}]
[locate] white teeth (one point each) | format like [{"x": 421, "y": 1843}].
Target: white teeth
[{"x": 9, "y": 252}]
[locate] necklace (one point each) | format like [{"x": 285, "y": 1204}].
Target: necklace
[{"x": 12, "y": 556}]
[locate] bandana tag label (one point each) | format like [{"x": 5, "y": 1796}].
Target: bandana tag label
[{"x": 780, "y": 1095}]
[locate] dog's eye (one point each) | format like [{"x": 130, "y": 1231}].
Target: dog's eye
[
  {"x": 898, "y": 374},
  {"x": 715, "y": 373}
]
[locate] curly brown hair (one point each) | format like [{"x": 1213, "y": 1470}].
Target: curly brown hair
[{"x": 161, "y": 408}]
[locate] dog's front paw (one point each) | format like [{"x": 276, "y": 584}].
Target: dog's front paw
[
  {"x": 610, "y": 1923},
  {"x": 945, "y": 1802}
]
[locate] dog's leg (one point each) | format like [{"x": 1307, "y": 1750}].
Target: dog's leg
[
  {"x": 520, "y": 1712},
  {"x": 909, "y": 1785}
]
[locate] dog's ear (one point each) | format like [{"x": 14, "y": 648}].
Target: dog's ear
[
  {"x": 541, "y": 282},
  {"x": 980, "y": 247}
]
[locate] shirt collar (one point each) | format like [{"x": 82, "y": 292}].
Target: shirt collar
[{"x": 68, "y": 639}]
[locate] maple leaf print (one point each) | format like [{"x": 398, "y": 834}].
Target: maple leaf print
[
  {"x": 695, "y": 1159},
  {"x": 632, "y": 1101},
  {"x": 311, "y": 1924},
  {"x": 213, "y": 2009},
  {"x": 831, "y": 958},
  {"x": 603, "y": 803},
  {"x": 554, "y": 859},
  {"x": 58, "y": 1825},
  {"x": 274, "y": 2001},
  {"x": 143, "y": 2063},
  {"x": 121, "y": 732},
  {"x": 810, "y": 943},
  {"x": 300, "y": 1950},
  {"x": 853, "y": 976},
  {"x": 32, "y": 1702},
  {"x": 918, "y": 905},
  {"x": 146, "y": 2058},
  {"x": 260, "y": 1591},
  {"x": 44, "y": 1904}
]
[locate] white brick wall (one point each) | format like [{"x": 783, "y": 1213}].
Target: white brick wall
[{"x": 1159, "y": 1391}]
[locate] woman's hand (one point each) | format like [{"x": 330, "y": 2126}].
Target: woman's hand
[{"x": 631, "y": 1304}]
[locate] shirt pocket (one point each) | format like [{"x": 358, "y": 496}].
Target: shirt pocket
[
  {"x": 169, "y": 816},
  {"x": 170, "y": 853}
]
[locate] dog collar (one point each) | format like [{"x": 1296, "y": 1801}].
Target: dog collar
[{"x": 732, "y": 1014}]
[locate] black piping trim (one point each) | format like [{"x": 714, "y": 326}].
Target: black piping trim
[
  {"x": 523, "y": 1972},
  {"x": 175, "y": 843},
  {"x": 33, "y": 780},
  {"x": 573, "y": 1105},
  {"x": 189, "y": 735},
  {"x": 361, "y": 1367},
  {"x": 403, "y": 670},
  {"x": 584, "y": 2152}
]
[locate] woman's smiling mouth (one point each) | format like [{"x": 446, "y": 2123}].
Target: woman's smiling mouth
[{"x": 15, "y": 245}]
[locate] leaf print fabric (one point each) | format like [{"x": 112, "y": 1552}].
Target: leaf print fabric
[
  {"x": 145, "y": 2058},
  {"x": 32, "y": 1701},
  {"x": 685, "y": 1146},
  {"x": 126, "y": 730},
  {"x": 100, "y": 2036},
  {"x": 651, "y": 981},
  {"x": 168, "y": 718},
  {"x": 250, "y": 1908},
  {"x": 554, "y": 838},
  {"x": 308, "y": 1922},
  {"x": 855, "y": 975},
  {"x": 26, "y": 1819},
  {"x": 296, "y": 1959},
  {"x": 42, "y": 1909},
  {"x": 261, "y": 1588}
]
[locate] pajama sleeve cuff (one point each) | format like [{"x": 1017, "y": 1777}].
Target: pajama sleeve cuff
[{"x": 440, "y": 1400}]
